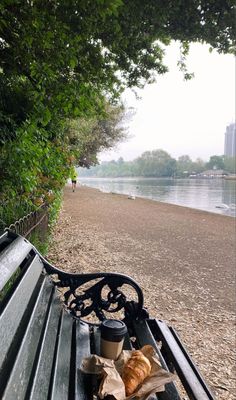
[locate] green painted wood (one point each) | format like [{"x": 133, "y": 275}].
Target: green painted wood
[
  {"x": 43, "y": 366},
  {"x": 4, "y": 239},
  {"x": 82, "y": 382},
  {"x": 16, "y": 307},
  {"x": 187, "y": 371},
  {"x": 21, "y": 370},
  {"x": 96, "y": 340},
  {"x": 61, "y": 376},
  {"x": 144, "y": 336},
  {"x": 11, "y": 258}
]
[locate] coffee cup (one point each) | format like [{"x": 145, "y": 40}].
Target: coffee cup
[{"x": 112, "y": 338}]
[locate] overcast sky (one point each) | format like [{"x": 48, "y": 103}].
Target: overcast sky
[{"x": 182, "y": 117}]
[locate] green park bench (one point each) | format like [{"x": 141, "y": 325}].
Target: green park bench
[{"x": 44, "y": 339}]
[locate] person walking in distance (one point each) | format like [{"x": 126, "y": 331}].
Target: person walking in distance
[{"x": 73, "y": 176}]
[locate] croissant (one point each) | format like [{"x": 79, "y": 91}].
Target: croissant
[{"x": 136, "y": 369}]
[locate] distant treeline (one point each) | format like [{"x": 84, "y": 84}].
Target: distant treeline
[{"x": 158, "y": 163}]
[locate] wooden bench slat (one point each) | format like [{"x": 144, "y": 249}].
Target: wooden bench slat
[
  {"x": 4, "y": 238},
  {"x": 82, "y": 382},
  {"x": 95, "y": 349},
  {"x": 11, "y": 258},
  {"x": 144, "y": 337},
  {"x": 61, "y": 378},
  {"x": 19, "y": 379},
  {"x": 16, "y": 306},
  {"x": 95, "y": 337},
  {"x": 43, "y": 370},
  {"x": 187, "y": 371}
]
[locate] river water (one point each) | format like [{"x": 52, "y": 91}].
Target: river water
[{"x": 214, "y": 195}]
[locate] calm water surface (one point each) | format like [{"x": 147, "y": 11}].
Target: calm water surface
[{"x": 214, "y": 195}]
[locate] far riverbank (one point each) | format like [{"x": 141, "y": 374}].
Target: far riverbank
[{"x": 184, "y": 260}]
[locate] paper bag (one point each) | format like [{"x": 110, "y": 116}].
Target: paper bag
[{"x": 110, "y": 371}]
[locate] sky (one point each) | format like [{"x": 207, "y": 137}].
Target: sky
[{"x": 182, "y": 117}]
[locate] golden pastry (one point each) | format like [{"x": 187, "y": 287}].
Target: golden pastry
[{"x": 136, "y": 369}]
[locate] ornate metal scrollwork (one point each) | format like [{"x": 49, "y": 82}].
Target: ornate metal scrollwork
[{"x": 107, "y": 295}]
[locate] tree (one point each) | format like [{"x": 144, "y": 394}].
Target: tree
[
  {"x": 199, "y": 166},
  {"x": 216, "y": 162},
  {"x": 62, "y": 57},
  {"x": 156, "y": 163},
  {"x": 184, "y": 166},
  {"x": 230, "y": 164},
  {"x": 120, "y": 161},
  {"x": 88, "y": 136}
]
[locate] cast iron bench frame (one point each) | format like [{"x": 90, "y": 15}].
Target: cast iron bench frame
[{"x": 43, "y": 340}]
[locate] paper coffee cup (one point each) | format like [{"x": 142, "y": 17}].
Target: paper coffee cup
[{"x": 112, "y": 338}]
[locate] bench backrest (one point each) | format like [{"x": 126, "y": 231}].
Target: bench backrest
[
  {"x": 14, "y": 251},
  {"x": 41, "y": 345},
  {"x": 26, "y": 309}
]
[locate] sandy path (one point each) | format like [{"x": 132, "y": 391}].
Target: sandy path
[{"x": 183, "y": 259}]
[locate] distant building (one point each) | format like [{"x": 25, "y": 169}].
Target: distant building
[
  {"x": 213, "y": 173},
  {"x": 230, "y": 141}
]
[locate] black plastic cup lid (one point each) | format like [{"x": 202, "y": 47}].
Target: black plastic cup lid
[{"x": 113, "y": 330}]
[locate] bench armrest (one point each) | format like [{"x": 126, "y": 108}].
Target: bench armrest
[{"x": 84, "y": 293}]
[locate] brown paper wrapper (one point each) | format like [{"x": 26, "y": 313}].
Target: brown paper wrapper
[{"x": 112, "y": 383}]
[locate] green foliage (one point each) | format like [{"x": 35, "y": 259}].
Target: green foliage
[
  {"x": 63, "y": 66},
  {"x": 9, "y": 284},
  {"x": 58, "y": 59},
  {"x": 41, "y": 243},
  {"x": 230, "y": 164},
  {"x": 32, "y": 169},
  {"x": 158, "y": 163},
  {"x": 216, "y": 162},
  {"x": 184, "y": 166},
  {"x": 155, "y": 163},
  {"x": 54, "y": 209},
  {"x": 41, "y": 237},
  {"x": 88, "y": 136}
]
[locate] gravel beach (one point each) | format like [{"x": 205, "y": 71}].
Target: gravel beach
[{"x": 184, "y": 260}]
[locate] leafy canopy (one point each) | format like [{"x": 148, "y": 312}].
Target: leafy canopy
[
  {"x": 59, "y": 58},
  {"x": 63, "y": 63}
]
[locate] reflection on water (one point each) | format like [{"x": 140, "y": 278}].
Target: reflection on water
[{"x": 215, "y": 195}]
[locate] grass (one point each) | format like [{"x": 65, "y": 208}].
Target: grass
[{"x": 9, "y": 284}]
